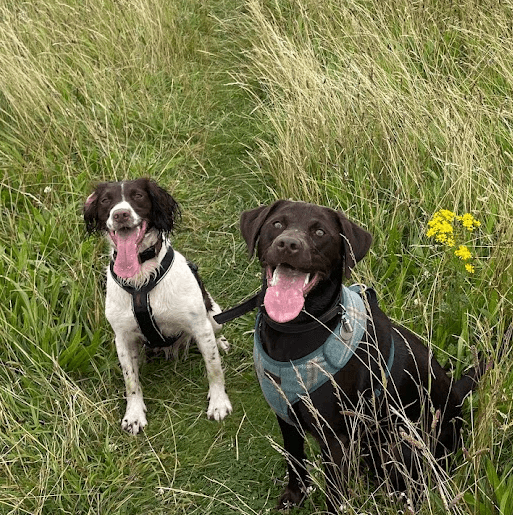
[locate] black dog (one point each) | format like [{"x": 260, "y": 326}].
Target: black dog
[{"x": 306, "y": 251}]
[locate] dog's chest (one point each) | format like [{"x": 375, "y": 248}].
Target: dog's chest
[{"x": 171, "y": 303}]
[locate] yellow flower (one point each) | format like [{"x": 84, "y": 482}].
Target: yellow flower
[
  {"x": 448, "y": 229},
  {"x": 469, "y": 222},
  {"x": 469, "y": 268},
  {"x": 463, "y": 253},
  {"x": 440, "y": 227}
]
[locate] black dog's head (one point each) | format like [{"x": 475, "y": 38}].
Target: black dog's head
[
  {"x": 305, "y": 236},
  {"x": 299, "y": 244},
  {"x": 133, "y": 214}
]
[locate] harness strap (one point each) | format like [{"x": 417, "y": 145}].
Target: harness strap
[
  {"x": 141, "y": 303},
  {"x": 146, "y": 322}
]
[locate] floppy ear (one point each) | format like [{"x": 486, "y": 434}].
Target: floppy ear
[
  {"x": 251, "y": 222},
  {"x": 356, "y": 243},
  {"x": 91, "y": 210},
  {"x": 165, "y": 211}
]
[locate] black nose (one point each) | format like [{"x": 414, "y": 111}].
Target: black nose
[
  {"x": 288, "y": 244},
  {"x": 122, "y": 215}
]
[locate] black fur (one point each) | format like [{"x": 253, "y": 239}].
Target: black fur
[{"x": 288, "y": 233}]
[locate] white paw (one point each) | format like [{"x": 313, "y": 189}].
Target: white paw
[
  {"x": 134, "y": 419},
  {"x": 219, "y": 405},
  {"x": 223, "y": 343}
]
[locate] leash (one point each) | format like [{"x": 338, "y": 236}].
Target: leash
[
  {"x": 239, "y": 310},
  {"x": 252, "y": 303}
]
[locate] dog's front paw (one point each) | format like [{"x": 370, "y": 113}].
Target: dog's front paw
[
  {"x": 134, "y": 419},
  {"x": 223, "y": 343},
  {"x": 219, "y": 405},
  {"x": 290, "y": 498}
]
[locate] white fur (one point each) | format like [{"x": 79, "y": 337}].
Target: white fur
[
  {"x": 123, "y": 205},
  {"x": 177, "y": 305}
]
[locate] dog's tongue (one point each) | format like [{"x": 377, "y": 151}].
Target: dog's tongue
[
  {"x": 285, "y": 295},
  {"x": 127, "y": 262}
]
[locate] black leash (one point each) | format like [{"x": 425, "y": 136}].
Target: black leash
[
  {"x": 238, "y": 311},
  {"x": 252, "y": 303}
]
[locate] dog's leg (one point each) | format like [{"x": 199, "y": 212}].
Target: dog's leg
[
  {"x": 128, "y": 350},
  {"x": 219, "y": 405},
  {"x": 299, "y": 480},
  {"x": 222, "y": 342}
]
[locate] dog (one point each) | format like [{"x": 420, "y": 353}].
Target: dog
[
  {"x": 154, "y": 296},
  {"x": 323, "y": 351}
]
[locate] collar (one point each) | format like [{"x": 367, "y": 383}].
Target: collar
[
  {"x": 289, "y": 327},
  {"x": 292, "y": 328},
  {"x": 162, "y": 270},
  {"x": 149, "y": 253}
]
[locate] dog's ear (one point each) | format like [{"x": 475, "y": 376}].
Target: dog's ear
[
  {"x": 91, "y": 210},
  {"x": 165, "y": 211},
  {"x": 356, "y": 242},
  {"x": 251, "y": 222}
]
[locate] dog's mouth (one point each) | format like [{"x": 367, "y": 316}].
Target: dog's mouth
[
  {"x": 127, "y": 240},
  {"x": 287, "y": 288}
]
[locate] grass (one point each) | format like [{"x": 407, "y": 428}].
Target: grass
[{"x": 388, "y": 110}]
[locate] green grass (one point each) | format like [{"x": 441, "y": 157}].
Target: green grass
[{"x": 387, "y": 110}]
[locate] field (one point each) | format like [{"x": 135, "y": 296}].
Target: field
[{"x": 390, "y": 110}]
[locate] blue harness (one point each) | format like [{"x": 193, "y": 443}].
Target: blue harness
[{"x": 285, "y": 382}]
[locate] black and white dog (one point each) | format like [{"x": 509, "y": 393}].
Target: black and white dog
[{"x": 154, "y": 296}]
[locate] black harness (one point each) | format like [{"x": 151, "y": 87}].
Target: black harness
[{"x": 141, "y": 300}]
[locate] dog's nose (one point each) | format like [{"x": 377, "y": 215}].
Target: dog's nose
[
  {"x": 121, "y": 215},
  {"x": 288, "y": 244}
]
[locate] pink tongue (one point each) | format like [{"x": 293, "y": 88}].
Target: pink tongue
[
  {"x": 127, "y": 259},
  {"x": 285, "y": 299}
]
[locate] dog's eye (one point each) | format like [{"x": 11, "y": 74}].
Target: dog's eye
[
  {"x": 138, "y": 196},
  {"x": 278, "y": 225},
  {"x": 319, "y": 232},
  {"x": 105, "y": 200}
]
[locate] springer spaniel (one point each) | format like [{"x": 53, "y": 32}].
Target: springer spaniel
[{"x": 154, "y": 296}]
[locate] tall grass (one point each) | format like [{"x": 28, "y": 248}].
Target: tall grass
[
  {"x": 388, "y": 110},
  {"x": 392, "y": 111}
]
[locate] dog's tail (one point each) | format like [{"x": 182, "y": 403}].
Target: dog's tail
[{"x": 469, "y": 381}]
